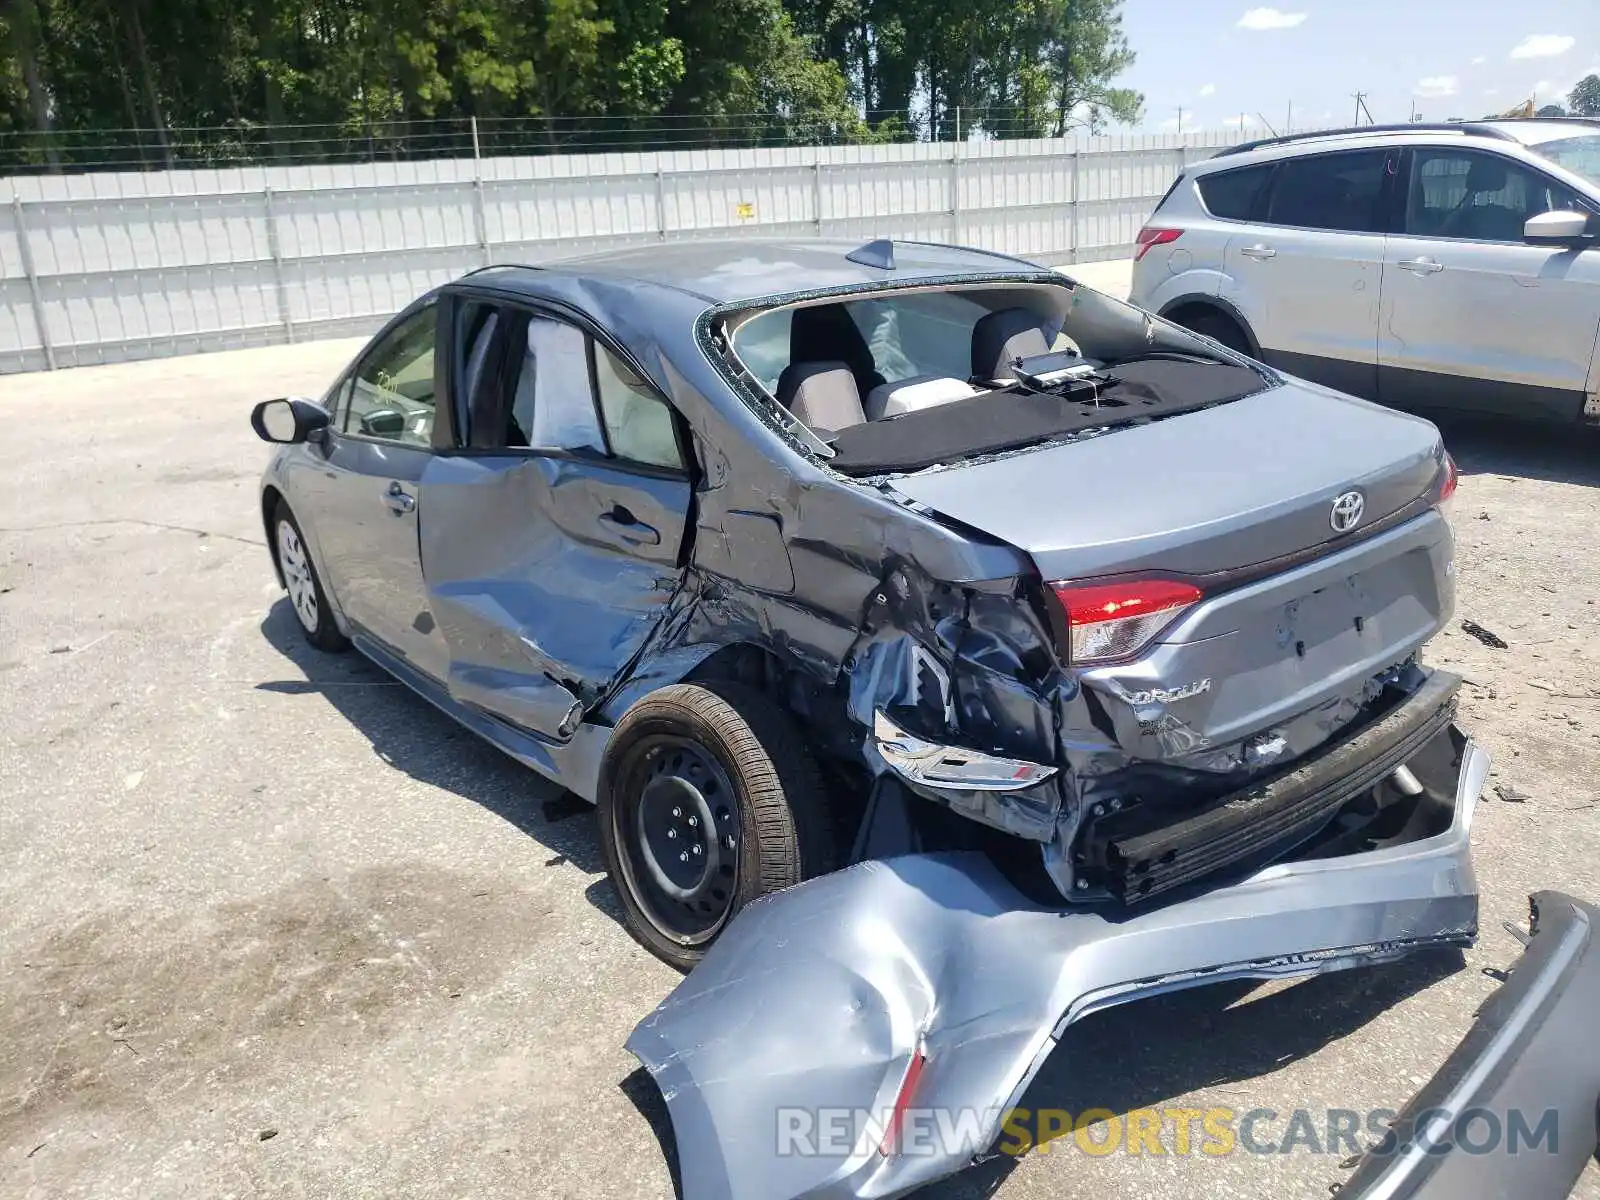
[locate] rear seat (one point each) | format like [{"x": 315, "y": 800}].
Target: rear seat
[{"x": 823, "y": 395}]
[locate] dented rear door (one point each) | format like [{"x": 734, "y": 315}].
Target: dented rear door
[{"x": 550, "y": 555}]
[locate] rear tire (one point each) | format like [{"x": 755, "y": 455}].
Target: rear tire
[
  {"x": 708, "y": 799},
  {"x": 1217, "y": 326},
  {"x": 306, "y": 597}
]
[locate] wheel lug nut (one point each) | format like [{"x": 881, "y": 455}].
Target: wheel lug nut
[
  {"x": 677, "y": 812},
  {"x": 728, "y": 841},
  {"x": 672, "y": 833},
  {"x": 697, "y": 851},
  {"x": 694, "y": 822},
  {"x": 683, "y": 858}
]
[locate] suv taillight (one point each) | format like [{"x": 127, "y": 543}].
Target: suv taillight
[
  {"x": 1447, "y": 487},
  {"x": 1108, "y": 621},
  {"x": 1151, "y": 236}
]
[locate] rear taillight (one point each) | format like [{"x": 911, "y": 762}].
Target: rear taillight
[
  {"x": 1151, "y": 236},
  {"x": 902, "y": 1101},
  {"x": 1447, "y": 488},
  {"x": 1115, "y": 620}
]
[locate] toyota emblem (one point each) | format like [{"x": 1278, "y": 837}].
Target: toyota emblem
[{"x": 1347, "y": 509}]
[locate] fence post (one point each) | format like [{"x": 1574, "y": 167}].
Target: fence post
[
  {"x": 276, "y": 252},
  {"x": 33, "y": 282},
  {"x": 816, "y": 195},
  {"x": 661, "y": 205},
  {"x": 1075, "y": 198},
  {"x": 955, "y": 192},
  {"x": 480, "y": 219}
]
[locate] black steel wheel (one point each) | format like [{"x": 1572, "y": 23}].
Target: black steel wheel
[{"x": 708, "y": 799}]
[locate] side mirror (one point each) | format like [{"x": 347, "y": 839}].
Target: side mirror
[
  {"x": 1561, "y": 227},
  {"x": 288, "y": 420}
]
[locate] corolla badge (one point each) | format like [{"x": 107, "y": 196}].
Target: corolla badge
[
  {"x": 1167, "y": 695},
  {"x": 1347, "y": 509}
]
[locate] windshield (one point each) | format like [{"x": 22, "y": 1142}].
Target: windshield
[{"x": 1577, "y": 154}]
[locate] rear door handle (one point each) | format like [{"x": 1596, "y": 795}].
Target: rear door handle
[
  {"x": 1421, "y": 266},
  {"x": 1258, "y": 252},
  {"x": 621, "y": 524},
  {"x": 399, "y": 499}
]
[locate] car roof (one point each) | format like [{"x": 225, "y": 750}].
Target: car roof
[
  {"x": 1505, "y": 131},
  {"x": 731, "y": 270}
]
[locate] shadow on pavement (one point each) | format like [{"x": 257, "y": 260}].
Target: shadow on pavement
[
  {"x": 1557, "y": 453},
  {"x": 412, "y": 736},
  {"x": 1151, "y": 1052},
  {"x": 1134, "y": 1056}
]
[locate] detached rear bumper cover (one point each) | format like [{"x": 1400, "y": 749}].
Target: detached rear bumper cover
[
  {"x": 813, "y": 1004},
  {"x": 1531, "y": 1056}
]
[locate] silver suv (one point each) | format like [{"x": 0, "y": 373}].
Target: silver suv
[{"x": 1439, "y": 267}]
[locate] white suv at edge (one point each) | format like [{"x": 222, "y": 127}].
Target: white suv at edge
[{"x": 1450, "y": 266}]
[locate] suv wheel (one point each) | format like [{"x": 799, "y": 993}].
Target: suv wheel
[
  {"x": 1217, "y": 326},
  {"x": 708, "y": 799}
]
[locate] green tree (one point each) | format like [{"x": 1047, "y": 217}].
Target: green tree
[{"x": 1584, "y": 100}]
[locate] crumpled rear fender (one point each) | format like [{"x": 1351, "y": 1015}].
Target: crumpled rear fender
[{"x": 815, "y": 1001}]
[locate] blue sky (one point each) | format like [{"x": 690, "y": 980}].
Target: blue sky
[{"x": 1453, "y": 58}]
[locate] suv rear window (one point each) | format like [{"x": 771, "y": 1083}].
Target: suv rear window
[
  {"x": 1233, "y": 194},
  {"x": 1330, "y": 191}
]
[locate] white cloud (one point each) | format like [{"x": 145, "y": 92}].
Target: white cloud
[
  {"x": 1209, "y": 89},
  {"x": 1270, "y": 18},
  {"x": 1543, "y": 45},
  {"x": 1492, "y": 92},
  {"x": 1480, "y": 60},
  {"x": 1436, "y": 87}
]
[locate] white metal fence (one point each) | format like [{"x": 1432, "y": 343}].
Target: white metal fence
[{"x": 106, "y": 267}]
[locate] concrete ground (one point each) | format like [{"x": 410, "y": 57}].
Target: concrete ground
[{"x": 274, "y": 927}]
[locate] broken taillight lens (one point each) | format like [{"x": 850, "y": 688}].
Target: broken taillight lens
[
  {"x": 1150, "y": 237},
  {"x": 1109, "y": 621}
]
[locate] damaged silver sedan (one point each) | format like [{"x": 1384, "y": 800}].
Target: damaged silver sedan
[
  {"x": 791, "y": 555},
  {"x": 951, "y": 650}
]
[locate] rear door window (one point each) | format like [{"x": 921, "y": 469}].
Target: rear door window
[
  {"x": 1235, "y": 195},
  {"x": 1341, "y": 192},
  {"x": 538, "y": 382}
]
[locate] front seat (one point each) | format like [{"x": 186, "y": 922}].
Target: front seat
[
  {"x": 825, "y": 333},
  {"x": 1001, "y": 338},
  {"x": 1495, "y": 222},
  {"x": 823, "y": 395}
]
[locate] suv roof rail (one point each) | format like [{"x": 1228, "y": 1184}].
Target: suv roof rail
[{"x": 1461, "y": 127}]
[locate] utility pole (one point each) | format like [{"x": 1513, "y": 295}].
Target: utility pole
[
  {"x": 1288, "y": 122},
  {"x": 1180, "y": 120},
  {"x": 1361, "y": 107}
]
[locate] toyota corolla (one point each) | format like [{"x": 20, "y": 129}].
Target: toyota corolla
[{"x": 791, "y": 555}]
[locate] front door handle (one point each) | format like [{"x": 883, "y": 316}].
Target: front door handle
[
  {"x": 1421, "y": 266},
  {"x": 1258, "y": 252},
  {"x": 621, "y": 524},
  {"x": 399, "y": 499}
]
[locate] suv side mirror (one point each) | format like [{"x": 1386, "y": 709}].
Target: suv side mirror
[
  {"x": 1561, "y": 227},
  {"x": 288, "y": 420}
]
